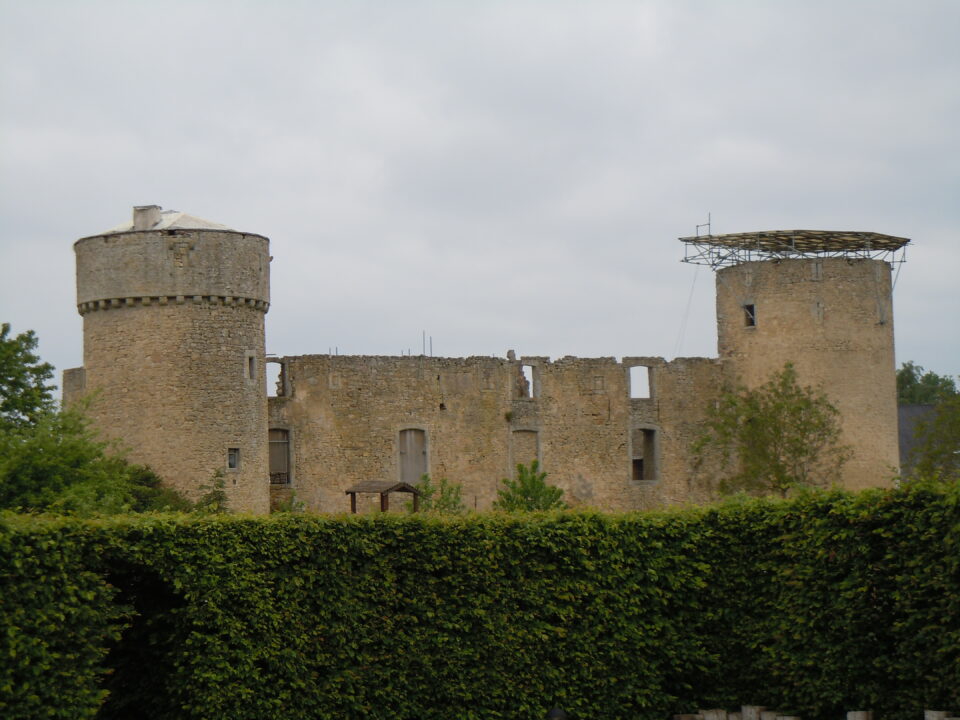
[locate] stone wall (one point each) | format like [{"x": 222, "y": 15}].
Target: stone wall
[
  {"x": 174, "y": 359},
  {"x": 480, "y": 418}
]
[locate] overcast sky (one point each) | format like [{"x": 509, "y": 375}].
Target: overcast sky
[{"x": 496, "y": 174}]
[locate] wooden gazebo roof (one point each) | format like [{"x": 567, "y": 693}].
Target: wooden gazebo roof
[{"x": 382, "y": 488}]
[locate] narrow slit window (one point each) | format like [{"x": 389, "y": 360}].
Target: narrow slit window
[
  {"x": 233, "y": 458},
  {"x": 640, "y": 382},
  {"x": 750, "y": 315}
]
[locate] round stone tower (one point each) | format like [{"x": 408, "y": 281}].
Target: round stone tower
[
  {"x": 821, "y": 300},
  {"x": 173, "y": 349}
]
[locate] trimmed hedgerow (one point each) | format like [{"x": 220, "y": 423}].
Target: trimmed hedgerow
[
  {"x": 822, "y": 604},
  {"x": 837, "y": 601},
  {"x": 57, "y": 618}
]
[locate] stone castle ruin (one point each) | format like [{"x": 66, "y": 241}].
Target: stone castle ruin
[{"x": 173, "y": 313}]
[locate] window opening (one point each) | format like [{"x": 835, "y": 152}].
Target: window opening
[
  {"x": 526, "y": 382},
  {"x": 251, "y": 367},
  {"x": 279, "y": 456},
  {"x": 276, "y": 377},
  {"x": 640, "y": 382},
  {"x": 643, "y": 442},
  {"x": 233, "y": 458},
  {"x": 750, "y": 315},
  {"x": 413, "y": 455},
  {"x": 817, "y": 270}
]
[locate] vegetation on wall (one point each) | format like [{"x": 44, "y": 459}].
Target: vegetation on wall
[
  {"x": 529, "y": 491},
  {"x": 775, "y": 438},
  {"x": 444, "y": 498}
]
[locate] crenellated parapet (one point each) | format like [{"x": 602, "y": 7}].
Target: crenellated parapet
[{"x": 162, "y": 300}]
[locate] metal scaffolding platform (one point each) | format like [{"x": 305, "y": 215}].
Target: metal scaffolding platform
[{"x": 717, "y": 251}]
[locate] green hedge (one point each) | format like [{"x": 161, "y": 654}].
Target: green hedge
[{"x": 822, "y": 604}]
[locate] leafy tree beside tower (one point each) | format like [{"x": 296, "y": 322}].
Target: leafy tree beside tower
[
  {"x": 775, "y": 438},
  {"x": 51, "y": 459}
]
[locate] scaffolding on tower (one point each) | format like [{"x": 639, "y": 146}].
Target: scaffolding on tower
[{"x": 719, "y": 251}]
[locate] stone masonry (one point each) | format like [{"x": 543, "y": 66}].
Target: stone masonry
[{"x": 174, "y": 362}]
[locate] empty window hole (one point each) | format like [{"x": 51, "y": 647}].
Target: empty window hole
[
  {"x": 274, "y": 379},
  {"x": 640, "y": 382},
  {"x": 527, "y": 371}
]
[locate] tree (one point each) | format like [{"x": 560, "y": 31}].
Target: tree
[
  {"x": 51, "y": 460},
  {"x": 775, "y": 438},
  {"x": 529, "y": 492},
  {"x": 937, "y": 454},
  {"x": 57, "y": 464},
  {"x": 918, "y": 387},
  {"x": 444, "y": 498},
  {"x": 25, "y": 395},
  {"x": 215, "y": 499}
]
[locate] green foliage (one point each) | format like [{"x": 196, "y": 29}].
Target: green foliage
[
  {"x": 775, "y": 438},
  {"x": 824, "y": 603},
  {"x": 529, "y": 492},
  {"x": 25, "y": 396},
  {"x": 443, "y": 499},
  {"x": 292, "y": 504},
  {"x": 57, "y": 464},
  {"x": 52, "y": 460},
  {"x": 937, "y": 454},
  {"x": 58, "y": 618},
  {"x": 917, "y": 387},
  {"x": 214, "y": 499}
]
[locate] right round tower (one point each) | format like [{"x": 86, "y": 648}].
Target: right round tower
[{"x": 821, "y": 300}]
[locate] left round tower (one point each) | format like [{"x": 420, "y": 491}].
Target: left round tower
[{"x": 173, "y": 349}]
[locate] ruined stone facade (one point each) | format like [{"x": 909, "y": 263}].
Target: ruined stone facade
[{"x": 173, "y": 311}]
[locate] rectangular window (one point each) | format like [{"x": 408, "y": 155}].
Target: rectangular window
[
  {"x": 233, "y": 458},
  {"x": 640, "y": 382},
  {"x": 750, "y": 315},
  {"x": 279, "y": 456},
  {"x": 644, "y": 460},
  {"x": 526, "y": 387},
  {"x": 413, "y": 455}
]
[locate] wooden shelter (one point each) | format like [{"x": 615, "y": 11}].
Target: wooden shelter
[{"x": 383, "y": 488}]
